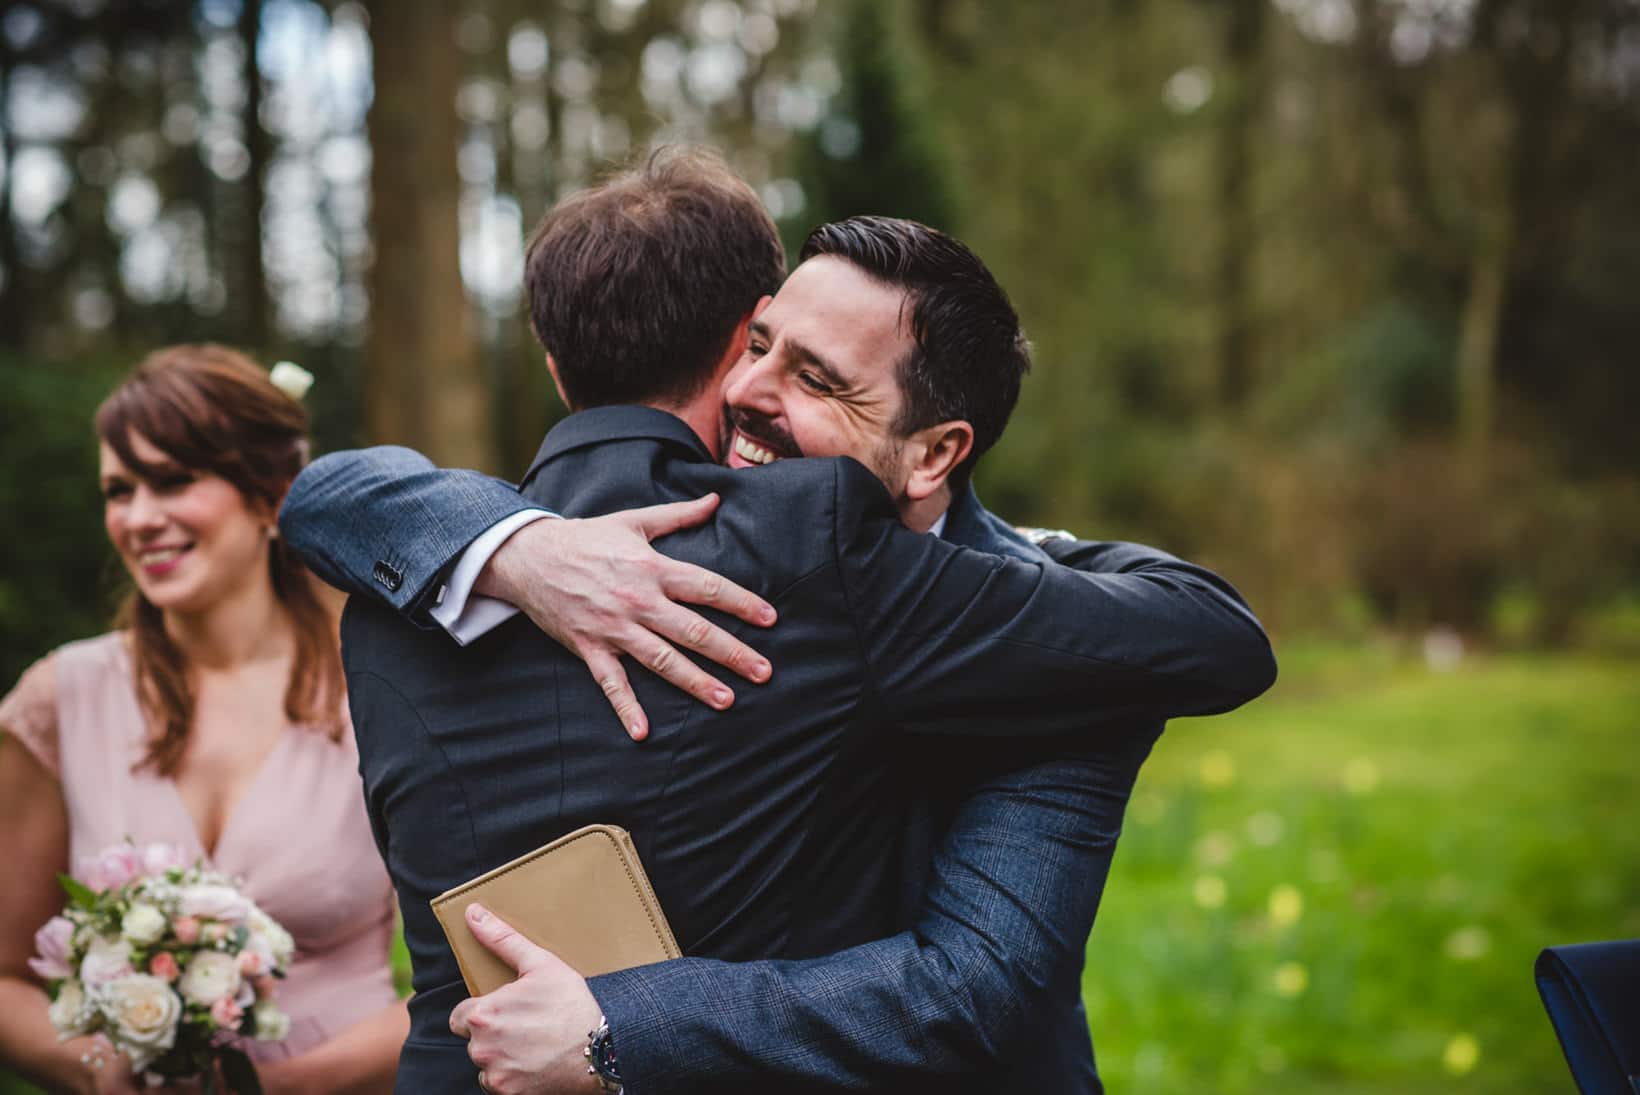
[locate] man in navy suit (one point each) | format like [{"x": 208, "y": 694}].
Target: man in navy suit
[{"x": 764, "y": 826}]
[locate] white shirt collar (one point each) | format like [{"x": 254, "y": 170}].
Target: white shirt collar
[{"x": 938, "y": 527}]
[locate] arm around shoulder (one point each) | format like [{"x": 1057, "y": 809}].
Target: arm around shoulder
[
  {"x": 1233, "y": 647},
  {"x": 957, "y": 641},
  {"x": 384, "y": 522}
]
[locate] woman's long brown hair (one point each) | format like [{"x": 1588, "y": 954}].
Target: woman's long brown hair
[{"x": 212, "y": 409}]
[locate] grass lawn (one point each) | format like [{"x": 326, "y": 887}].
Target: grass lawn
[{"x": 1343, "y": 888}]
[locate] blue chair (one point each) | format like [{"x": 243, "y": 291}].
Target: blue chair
[{"x": 1592, "y": 993}]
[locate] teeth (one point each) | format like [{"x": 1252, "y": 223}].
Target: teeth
[
  {"x": 752, "y": 451},
  {"x": 163, "y": 555}
]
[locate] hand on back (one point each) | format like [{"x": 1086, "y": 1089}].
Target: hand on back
[{"x": 599, "y": 588}]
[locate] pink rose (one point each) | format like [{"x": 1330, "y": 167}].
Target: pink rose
[
  {"x": 52, "y": 942},
  {"x": 186, "y": 929},
  {"x": 226, "y": 1013},
  {"x": 106, "y": 959},
  {"x": 159, "y": 858},
  {"x": 211, "y": 901},
  {"x": 111, "y": 868},
  {"x": 250, "y": 963},
  {"x": 164, "y": 966}
]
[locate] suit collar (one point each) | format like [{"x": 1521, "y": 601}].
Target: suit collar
[
  {"x": 627, "y": 422},
  {"x": 964, "y": 523},
  {"x": 970, "y": 524}
]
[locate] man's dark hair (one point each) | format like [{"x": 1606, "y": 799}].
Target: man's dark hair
[
  {"x": 970, "y": 354},
  {"x": 637, "y": 284}
]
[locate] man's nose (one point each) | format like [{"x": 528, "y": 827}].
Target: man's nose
[{"x": 755, "y": 387}]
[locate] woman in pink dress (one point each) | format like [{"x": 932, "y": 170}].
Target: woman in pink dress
[{"x": 214, "y": 720}]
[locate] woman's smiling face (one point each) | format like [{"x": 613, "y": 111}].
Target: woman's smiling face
[{"x": 188, "y": 538}]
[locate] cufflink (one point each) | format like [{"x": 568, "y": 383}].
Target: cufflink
[{"x": 387, "y": 576}]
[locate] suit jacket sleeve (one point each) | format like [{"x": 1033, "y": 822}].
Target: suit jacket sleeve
[
  {"x": 1010, "y": 904},
  {"x": 952, "y": 639},
  {"x": 1011, "y": 900},
  {"x": 385, "y": 522}
]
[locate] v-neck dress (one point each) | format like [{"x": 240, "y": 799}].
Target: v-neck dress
[{"x": 298, "y": 839}]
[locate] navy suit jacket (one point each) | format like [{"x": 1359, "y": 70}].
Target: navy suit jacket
[{"x": 764, "y": 828}]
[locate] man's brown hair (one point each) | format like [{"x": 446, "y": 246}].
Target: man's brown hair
[{"x": 636, "y": 285}]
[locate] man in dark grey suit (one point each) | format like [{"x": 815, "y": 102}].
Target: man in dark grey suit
[{"x": 473, "y": 756}]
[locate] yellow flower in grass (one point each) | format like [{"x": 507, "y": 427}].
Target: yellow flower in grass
[
  {"x": 1462, "y": 1054},
  {"x": 1361, "y": 776},
  {"x": 1286, "y": 906},
  {"x": 1290, "y": 979},
  {"x": 1215, "y": 849},
  {"x": 1468, "y": 944},
  {"x": 1210, "y": 891},
  {"x": 1218, "y": 770}
]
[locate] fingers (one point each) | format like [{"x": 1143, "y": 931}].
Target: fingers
[
  {"x": 607, "y": 670},
  {"x": 697, "y": 633},
  {"x": 697, "y": 585},
  {"x": 502, "y": 941},
  {"x": 461, "y": 1019},
  {"x": 657, "y": 521},
  {"x": 665, "y": 662}
]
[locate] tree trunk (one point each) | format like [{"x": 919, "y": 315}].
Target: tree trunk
[
  {"x": 1478, "y": 334},
  {"x": 1244, "y": 36},
  {"x": 253, "y": 280},
  {"x": 12, "y": 311},
  {"x": 424, "y": 382}
]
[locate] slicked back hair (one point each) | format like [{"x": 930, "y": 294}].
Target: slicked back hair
[
  {"x": 636, "y": 285},
  {"x": 970, "y": 354}
]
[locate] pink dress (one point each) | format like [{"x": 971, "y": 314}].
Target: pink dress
[{"x": 298, "y": 839}]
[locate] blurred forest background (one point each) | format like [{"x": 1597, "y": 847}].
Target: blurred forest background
[{"x": 1336, "y": 296}]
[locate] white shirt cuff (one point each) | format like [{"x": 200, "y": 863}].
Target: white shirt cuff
[{"x": 466, "y": 615}]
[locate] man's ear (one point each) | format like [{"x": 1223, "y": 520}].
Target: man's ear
[
  {"x": 557, "y": 382},
  {"x": 936, "y": 452}
]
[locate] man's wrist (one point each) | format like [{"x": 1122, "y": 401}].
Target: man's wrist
[{"x": 514, "y": 556}]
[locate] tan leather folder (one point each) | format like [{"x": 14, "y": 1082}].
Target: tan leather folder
[{"x": 584, "y": 897}]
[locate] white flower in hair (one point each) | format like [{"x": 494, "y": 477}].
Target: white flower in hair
[{"x": 291, "y": 379}]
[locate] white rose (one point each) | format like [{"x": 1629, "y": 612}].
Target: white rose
[
  {"x": 213, "y": 902},
  {"x": 108, "y": 957},
  {"x": 291, "y": 379},
  {"x": 210, "y": 976},
  {"x": 271, "y": 940},
  {"x": 272, "y": 1025},
  {"x": 69, "y": 1013},
  {"x": 143, "y": 924},
  {"x": 143, "y": 1014}
]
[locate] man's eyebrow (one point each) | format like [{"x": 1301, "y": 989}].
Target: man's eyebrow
[{"x": 807, "y": 353}]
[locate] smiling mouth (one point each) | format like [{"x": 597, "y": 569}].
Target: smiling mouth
[
  {"x": 747, "y": 449},
  {"x": 764, "y": 444},
  {"x": 160, "y": 560}
]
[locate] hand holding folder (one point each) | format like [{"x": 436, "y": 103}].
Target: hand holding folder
[{"x": 584, "y": 897}]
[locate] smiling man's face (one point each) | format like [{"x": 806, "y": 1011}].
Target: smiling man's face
[{"x": 818, "y": 377}]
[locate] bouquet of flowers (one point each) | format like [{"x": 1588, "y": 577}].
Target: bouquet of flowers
[{"x": 170, "y": 961}]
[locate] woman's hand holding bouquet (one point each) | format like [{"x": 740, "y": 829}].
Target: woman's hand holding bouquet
[{"x": 170, "y": 962}]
